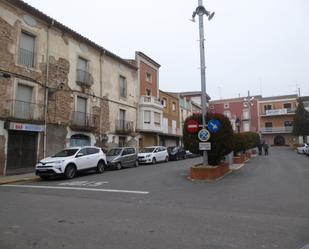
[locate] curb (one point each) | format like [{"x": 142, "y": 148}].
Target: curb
[
  {"x": 215, "y": 180},
  {"x": 16, "y": 180},
  {"x": 239, "y": 167}
]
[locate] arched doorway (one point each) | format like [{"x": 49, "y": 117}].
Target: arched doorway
[
  {"x": 79, "y": 140},
  {"x": 279, "y": 140}
]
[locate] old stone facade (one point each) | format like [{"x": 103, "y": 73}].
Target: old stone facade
[{"x": 63, "y": 91}]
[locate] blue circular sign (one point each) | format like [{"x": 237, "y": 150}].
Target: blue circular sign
[
  {"x": 213, "y": 125},
  {"x": 204, "y": 135}
]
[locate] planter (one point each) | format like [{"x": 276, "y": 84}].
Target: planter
[
  {"x": 238, "y": 159},
  {"x": 200, "y": 172},
  {"x": 248, "y": 155},
  {"x": 253, "y": 151}
]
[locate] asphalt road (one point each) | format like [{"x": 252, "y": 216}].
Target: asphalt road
[{"x": 263, "y": 205}]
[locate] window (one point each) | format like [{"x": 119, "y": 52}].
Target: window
[
  {"x": 211, "y": 107},
  {"x": 80, "y": 116},
  {"x": 268, "y": 124},
  {"x": 226, "y": 106},
  {"x": 148, "y": 92},
  {"x": 157, "y": 118},
  {"x": 147, "y": 118},
  {"x": 306, "y": 104},
  {"x": 122, "y": 141},
  {"x": 174, "y": 107},
  {"x": 27, "y": 50},
  {"x": 267, "y": 107},
  {"x": 122, "y": 118},
  {"x": 288, "y": 123},
  {"x": 122, "y": 87},
  {"x": 82, "y": 74},
  {"x": 164, "y": 102},
  {"x": 83, "y": 151},
  {"x": 148, "y": 77},
  {"x": 91, "y": 151},
  {"x": 287, "y": 105},
  {"x": 23, "y": 104},
  {"x": 245, "y": 114}
]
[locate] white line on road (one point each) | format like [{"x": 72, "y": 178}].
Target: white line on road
[{"x": 74, "y": 188}]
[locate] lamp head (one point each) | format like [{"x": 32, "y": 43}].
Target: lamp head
[{"x": 211, "y": 16}]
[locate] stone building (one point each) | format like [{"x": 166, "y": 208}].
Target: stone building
[
  {"x": 64, "y": 90},
  {"x": 171, "y": 120}
]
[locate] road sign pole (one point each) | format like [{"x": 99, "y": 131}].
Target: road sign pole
[{"x": 203, "y": 77}]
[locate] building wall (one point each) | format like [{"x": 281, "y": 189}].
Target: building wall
[
  {"x": 277, "y": 121},
  {"x": 144, "y": 84},
  {"x": 168, "y": 110}
]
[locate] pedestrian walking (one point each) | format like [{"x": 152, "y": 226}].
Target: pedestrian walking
[
  {"x": 265, "y": 147},
  {"x": 260, "y": 146}
]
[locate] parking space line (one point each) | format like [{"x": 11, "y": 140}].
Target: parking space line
[{"x": 76, "y": 188}]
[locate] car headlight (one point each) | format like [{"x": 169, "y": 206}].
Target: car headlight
[
  {"x": 148, "y": 155},
  {"x": 58, "y": 162}
]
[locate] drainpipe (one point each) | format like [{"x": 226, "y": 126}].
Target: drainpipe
[
  {"x": 101, "y": 99},
  {"x": 46, "y": 87}
]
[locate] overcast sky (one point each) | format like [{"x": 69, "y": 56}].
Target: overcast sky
[{"x": 256, "y": 45}]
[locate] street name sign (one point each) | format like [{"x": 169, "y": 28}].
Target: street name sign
[{"x": 205, "y": 146}]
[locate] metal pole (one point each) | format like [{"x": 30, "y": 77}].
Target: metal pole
[
  {"x": 203, "y": 77},
  {"x": 249, "y": 109}
]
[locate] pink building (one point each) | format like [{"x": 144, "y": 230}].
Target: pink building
[{"x": 236, "y": 109}]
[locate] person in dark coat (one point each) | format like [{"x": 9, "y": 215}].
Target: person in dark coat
[
  {"x": 265, "y": 147},
  {"x": 260, "y": 146}
]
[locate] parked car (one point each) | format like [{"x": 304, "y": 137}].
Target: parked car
[
  {"x": 121, "y": 157},
  {"x": 302, "y": 148},
  {"x": 189, "y": 154},
  {"x": 307, "y": 151},
  {"x": 153, "y": 154},
  {"x": 176, "y": 153},
  {"x": 68, "y": 162}
]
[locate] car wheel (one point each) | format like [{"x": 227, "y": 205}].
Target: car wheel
[
  {"x": 70, "y": 171},
  {"x": 136, "y": 163},
  {"x": 166, "y": 159},
  {"x": 44, "y": 178},
  {"x": 100, "y": 167},
  {"x": 118, "y": 166},
  {"x": 154, "y": 161}
]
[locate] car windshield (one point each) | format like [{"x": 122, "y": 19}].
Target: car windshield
[
  {"x": 65, "y": 153},
  {"x": 114, "y": 152},
  {"x": 147, "y": 150}
]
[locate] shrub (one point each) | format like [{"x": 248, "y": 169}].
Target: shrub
[
  {"x": 252, "y": 139},
  {"x": 221, "y": 141},
  {"x": 239, "y": 143}
]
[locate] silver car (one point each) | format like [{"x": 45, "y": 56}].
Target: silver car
[{"x": 121, "y": 157}]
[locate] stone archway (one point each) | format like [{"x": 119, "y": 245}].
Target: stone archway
[{"x": 279, "y": 140}]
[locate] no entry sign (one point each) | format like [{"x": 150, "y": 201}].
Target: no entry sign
[{"x": 192, "y": 126}]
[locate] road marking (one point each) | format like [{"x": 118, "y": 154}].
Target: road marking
[
  {"x": 83, "y": 183},
  {"x": 74, "y": 188}
]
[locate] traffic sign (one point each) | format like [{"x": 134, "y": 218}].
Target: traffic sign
[
  {"x": 192, "y": 126},
  {"x": 204, "y": 135},
  {"x": 205, "y": 146},
  {"x": 213, "y": 125}
]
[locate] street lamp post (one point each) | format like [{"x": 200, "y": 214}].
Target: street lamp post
[
  {"x": 248, "y": 102},
  {"x": 200, "y": 11}
]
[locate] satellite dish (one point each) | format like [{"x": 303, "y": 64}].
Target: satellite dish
[{"x": 211, "y": 16}]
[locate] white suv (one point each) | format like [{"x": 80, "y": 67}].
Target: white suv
[
  {"x": 70, "y": 160},
  {"x": 153, "y": 154}
]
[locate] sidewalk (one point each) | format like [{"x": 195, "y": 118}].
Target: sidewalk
[{"x": 18, "y": 178}]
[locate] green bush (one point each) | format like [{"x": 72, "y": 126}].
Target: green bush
[
  {"x": 252, "y": 139},
  {"x": 221, "y": 141},
  {"x": 239, "y": 143}
]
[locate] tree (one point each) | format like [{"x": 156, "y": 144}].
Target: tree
[
  {"x": 301, "y": 121},
  {"x": 221, "y": 141}
]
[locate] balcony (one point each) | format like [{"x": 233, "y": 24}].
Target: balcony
[
  {"x": 83, "y": 78},
  {"x": 272, "y": 130},
  {"x": 84, "y": 121},
  {"x": 26, "y": 58},
  {"x": 150, "y": 101},
  {"x": 124, "y": 127},
  {"x": 278, "y": 112},
  {"x": 173, "y": 131},
  {"x": 21, "y": 110}
]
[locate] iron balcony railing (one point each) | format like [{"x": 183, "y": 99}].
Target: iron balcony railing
[
  {"x": 282, "y": 129},
  {"x": 84, "y": 119},
  {"x": 26, "y": 110},
  {"x": 26, "y": 57},
  {"x": 124, "y": 126},
  {"x": 84, "y": 78}
]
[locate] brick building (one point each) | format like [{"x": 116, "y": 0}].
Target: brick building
[
  {"x": 236, "y": 109},
  {"x": 276, "y": 116},
  {"x": 64, "y": 90},
  {"x": 150, "y": 115},
  {"x": 171, "y": 120}
]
